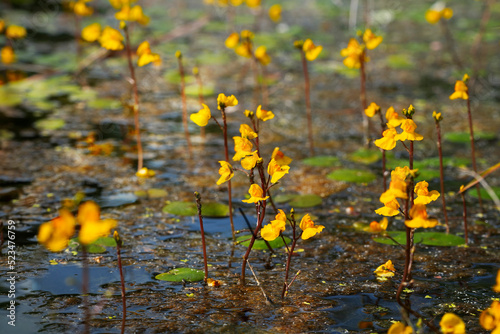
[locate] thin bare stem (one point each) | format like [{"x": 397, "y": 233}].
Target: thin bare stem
[
  {"x": 268, "y": 300},
  {"x": 441, "y": 172},
  {"x": 200, "y": 217},
  {"x": 226, "y": 155},
  {"x": 473, "y": 152},
  {"x": 261, "y": 210},
  {"x": 122, "y": 279},
  {"x": 201, "y": 98},
  {"x": 362, "y": 97},
  {"x": 466, "y": 233},
  {"x": 307, "y": 89},
  {"x": 136, "y": 100},
  {"x": 184, "y": 104},
  {"x": 288, "y": 261},
  {"x": 383, "y": 126}
]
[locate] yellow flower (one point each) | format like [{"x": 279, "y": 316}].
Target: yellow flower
[
  {"x": 276, "y": 171},
  {"x": 275, "y": 12},
  {"x": 225, "y": 172},
  {"x": 15, "y": 32},
  {"x": 244, "y": 49},
  {"x": 385, "y": 270},
  {"x": 91, "y": 32},
  {"x": 224, "y": 101},
  {"x": 146, "y": 56},
  {"x": 145, "y": 173},
  {"x": 2, "y": 25},
  {"x": 418, "y": 213},
  {"x": 389, "y": 209},
  {"x": 308, "y": 228},
  {"x": 280, "y": 157},
  {"x": 55, "y": 235},
  {"x": 402, "y": 173},
  {"x": 461, "y": 90},
  {"x": 433, "y": 15},
  {"x": 262, "y": 55},
  {"x": 249, "y": 161},
  {"x": 247, "y": 132},
  {"x": 377, "y": 227},
  {"x": 242, "y": 147},
  {"x": 371, "y": 40},
  {"x": 111, "y": 39},
  {"x": 92, "y": 227},
  {"x": 399, "y": 328},
  {"x": 134, "y": 14},
  {"x": 372, "y": 109},
  {"x": 272, "y": 231},
  {"x": 80, "y": 8},
  {"x": 201, "y": 117},
  {"x": 312, "y": 51},
  {"x": 452, "y": 324},
  {"x": 424, "y": 195},
  {"x": 264, "y": 115},
  {"x": 232, "y": 41},
  {"x": 7, "y": 55},
  {"x": 354, "y": 54},
  {"x": 117, "y": 4},
  {"x": 236, "y": 3},
  {"x": 388, "y": 140},
  {"x": 253, "y": 3},
  {"x": 408, "y": 126},
  {"x": 393, "y": 118},
  {"x": 256, "y": 194},
  {"x": 247, "y": 34},
  {"x": 437, "y": 116},
  {"x": 490, "y": 318},
  {"x": 397, "y": 189},
  {"x": 496, "y": 288}
]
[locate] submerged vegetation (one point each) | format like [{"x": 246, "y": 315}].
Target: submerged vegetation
[{"x": 303, "y": 176}]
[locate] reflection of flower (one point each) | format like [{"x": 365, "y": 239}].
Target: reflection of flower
[
  {"x": 385, "y": 270},
  {"x": 308, "y": 227},
  {"x": 145, "y": 173},
  {"x": 256, "y": 194},
  {"x": 225, "y": 171},
  {"x": 92, "y": 227},
  {"x": 424, "y": 195},
  {"x": 55, "y": 235},
  {"x": 418, "y": 213},
  {"x": 452, "y": 324},
  {"x": 399, "y": 328},
  {"x": 201, "y": 117},
  {"x": 272, "y": 231},
  {"x": 7, "y": 55},
  {"x": 377, "y": 227},
  {"x": 91, "y": 32},
  {"x": 496, "y": 288}
]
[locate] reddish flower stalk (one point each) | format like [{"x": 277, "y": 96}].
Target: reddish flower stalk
[
  {"x": 307, "y": 88},
  {"x": 473, "y": 152},
  {"x": 466, "y": 232},
  {"x": 136, "y": 101},
  {"x": 196, "y": 73},
  {"x": 362, "y": 97},
  {"x": 119, "y": 244},
  {"x": 290, "y": 254},
  {"x": 184, "y": 104},
  {"x": 441, "y": 172},
  {"x": 226, "y": 155},
  {"x": 198, "y": 205},
  {"x": 382, "y": 126}
]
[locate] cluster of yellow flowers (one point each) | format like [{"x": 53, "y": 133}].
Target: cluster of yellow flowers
[
  {"x": 11, "y": 32},
  {"x": 391, "y": 136},
  {"x": 243, "y": 46},
  {"x": 55, "y": 234},
  {"x": 438, "y": 12},
  {"x": 355, "y": 52},
  {"x": 80, "y": 7},
  {"x": 310, "y": 50},
  {"x": 274, "y": 10}
]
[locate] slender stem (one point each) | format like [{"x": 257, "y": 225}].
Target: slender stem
[
  {"x": 466, "y": 233},
  {"x": 261, "y": 209},
  {"x": 184, "y": 104},
  {"x": 362, "y": 96},
  {"x": 383, "y": 126},
  {"x": 198, "y": 205},
  {"x": 288, "y": 261},
  {"x": 473, "y": 152},
  {"x": 307, "y": 89},
  {"x": 202, "y": 100},
  {"x": 441, "y": 172},
  {"x": 122, "y": 280},
  {"x": 85, "y": 288},
  {"x": 136, "y": 100},
  {"x": 226, "y": 155}
]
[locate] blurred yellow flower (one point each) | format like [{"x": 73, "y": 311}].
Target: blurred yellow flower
[
  {"x": 388, "y": 140},
  {"x": 232, "y": 41},
  {"x": 272, "y": 231},
  {"x": 253, "y": 3},
  {"x": 262, "y": 56},
  {"x": 15, "y": 32},
  {"x": 418, "y": 213},
  {"x": 461, "y": 91},
  {"x": 372, "y": 109},
  {"x": 111, "y": 39},
  {"x": 244, "y": 49},
  {"x": 490, "y": 318},
  {"x": 385, "y": 270},
  {"x": 424, "y": 196},
  {"x": 399, "y": 328},
  {"x": 280, "y": 157},
  {"x": 91, "y": 32},
  {"x": 92, "y": 227},
  {"x": 224, "y": 101},
  {"x": 263, "y": 115},
  {"x": 437, "y": 116},
  {"x": 433, "y": 15},
  {"x": 146, "y": 56},
  {"x": 55, "y": 234},
  {"x": 247, "y": 132},
  {"x": 2, "y": 25},
  {"x": 201, "y": 117},
  {"x": 7, "y": 55},
  {"x": 409, "y": 127},
  {"x": 311, "y": 51},
  {"x": 354, "y": 54},
  {"x": 256, "y": 194},
  {"x": 145, "y": 173},
  {"x": 496, "y": 287},
  {"x": 276, "y": 171},
  {"x": 134, "y": 14},
  {"x": 371, "y": 40},
  {"x": 452, "y": 324},
  {"x": 80, "y": 8},
  {"x": 308, "y": 228},
  {"x": 225, "y": 172},
  {"x": 275, "y": 12},
  {"x": 117, "y": 4},
  {"x": 377, "y": 227}
]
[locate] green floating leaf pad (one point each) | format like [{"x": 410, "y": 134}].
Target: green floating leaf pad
[
  {"x": 400, "y": 61},
  {"x": 464, "y": 137},
  {"x": 97, "y": 247},
  {"x": 322, "y": 161},
  {"x": 180, "y": 274},
  {"x": 104, "y": 103},
  {"x": 181, "y": 208},
  {"x": 283, "y": 198},
  {"x": 214, "y": 209},
  {"x": 306, "y": 201},
  {"x": 365, "y": 156},
  {"x": 425, "y": 238},
  {"x": 352, "y": 175},
  {"x": 156, "y": 193},
  {"x": 194, "y": 91},
  {"x": 260, "y": 244},
  {"x": 49, "y": 124},
  {"x": 484, "y": 194}
]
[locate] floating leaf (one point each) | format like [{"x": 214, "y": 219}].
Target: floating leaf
[
  {"x": 180, "y": 274},
  {"x": 283, "y": 198},
  {"x": 156, "y": 193},
  {"x": 484, "y": 193},
  {"x": 400, "y": 61},
  {"x": 352, "y": 175},
  {"x": 365, "y": 156},
  {"x": 425, "y": 238},
  {"x": 181, "y": 208},
  {"x": 306, "y": 201},
  {"x": 49, "y": 124},
  {"x": 97, "y": 247},
  {"x": 260, "y": 244},
  {"x": 104, "y": 103},
  {"x": 193, "y": 90},
  {"x": 464, "y": 137},
  {"x": 214, "y": 209},
  {"x": 322, "y": 161}
]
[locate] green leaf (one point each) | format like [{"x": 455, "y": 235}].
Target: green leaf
[
  {"x": 214, "y": 209},
  {"x": 464, "y": 137},
  {"x": 193, "y": 90},
  {"x": 104, "y": 103},
  {"x": 425, "y": 238},
  {"x": 484, "y": 193},
  {"x": 97, "y": 247},
  {"x": 180, "y": 274},
  {"x": 306, "y": 201},
  {"x": 322, "y": 161},
  {"x": 352, "y": 175},
  {"x": 49, "y": 124},
  {"x": 283, "y": 198},
  {"x": 400, "y": 61},
  {"x": 156, "y": 193},
  {"x": 181, "y": 208},
  {"x": 260, "y": 244},
  {"x": 365, "y": 156}
]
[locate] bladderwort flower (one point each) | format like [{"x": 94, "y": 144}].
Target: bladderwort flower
[
  {"x": 263, "y": 115},
  {"x": 393, "y": 118},
  {"x": 388, "y": 140},
  {"x": 111, "y": 39},
  {"x": 424, "y": 196},
  {"x": 225, "y": 171},
  {"x": 273, "y": 230},
  {"x": 91, "y": 32},
  {"x": 354, "y": 54},
  {"x": 15, "y": 32},
  {"x": 275, "y": 12},
  {"x": 242, "y": 148},
  {"x": 262, "y": 56},
  {"x": 80, "y": 8},
  {"x": 461, "y": 89},
  {"x": 280, "y": 157},
  {"x": 7, "y": 55},
  {"x": 224, "y": 101},
  {"x": 311, "y": 50},
  {"x": 372, "y": 109},
  {"x": 256, "y": 194},
  {"x": 201, "y": 117},
  {"x": 247, "y": 132},
  {"x": 146, "y": 56},
  {"x": 132, "y": 14},
  {"x": 276, "y": 171},
  {"x": 250, "y": 161},
  {"x": 309, "y": 229},
  {"x": 409, "y": 126},
  {"x": 437, "y": 12},
  {"x": 55, "y": 234},
  {"x": 419, "y": 219},
  {"x": 399, "y": 328},
  {"x": 371, "y": 40},
  {"x": 386, "y": 270},
  {"x": 452, "y": 324},
  {"x": 92, "y": 227}
]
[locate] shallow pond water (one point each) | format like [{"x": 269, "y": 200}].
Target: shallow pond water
[{"x": 336, "y": 290}]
